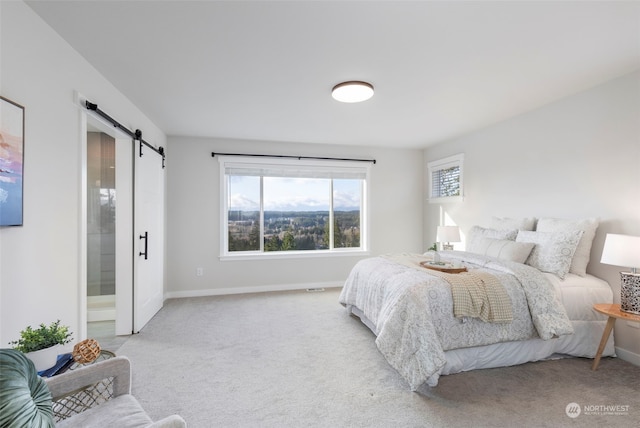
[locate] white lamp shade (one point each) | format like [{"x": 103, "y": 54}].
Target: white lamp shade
[
  {"x": 621, "y": 250},
  {"x": 448, "y": 234}
]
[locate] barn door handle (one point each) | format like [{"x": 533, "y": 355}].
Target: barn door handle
[{"x": 146, "y": 241}]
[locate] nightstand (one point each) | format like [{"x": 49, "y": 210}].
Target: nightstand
[{"x": 612, "y": 311}]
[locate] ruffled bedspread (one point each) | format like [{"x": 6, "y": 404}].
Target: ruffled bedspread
[{"x": 412, "y": 310}]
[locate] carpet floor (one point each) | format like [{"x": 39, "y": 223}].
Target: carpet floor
[{"x": 295, "y": 358}]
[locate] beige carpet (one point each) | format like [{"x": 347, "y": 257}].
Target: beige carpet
[{"x": 296, "y": 359}]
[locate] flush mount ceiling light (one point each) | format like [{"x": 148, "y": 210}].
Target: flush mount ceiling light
[{"x": 352, "y": 92}]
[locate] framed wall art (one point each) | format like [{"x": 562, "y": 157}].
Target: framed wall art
[{"x": 11, "y": 162}]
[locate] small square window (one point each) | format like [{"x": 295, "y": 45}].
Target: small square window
[{"x": 445, "y": 179}]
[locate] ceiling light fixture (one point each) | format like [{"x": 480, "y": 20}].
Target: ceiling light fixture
[{"x": 352, "y": 92}]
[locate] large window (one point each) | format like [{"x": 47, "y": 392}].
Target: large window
[
  {"x": 445, "y": 179},
  {"x": 292, "y": 207}
]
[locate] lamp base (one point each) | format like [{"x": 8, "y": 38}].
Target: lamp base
[{"x": 630, "y": 292}]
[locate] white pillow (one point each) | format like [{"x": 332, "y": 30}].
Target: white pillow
[
  {"x": 502, "y": 223},
  {"x": 553, "y": 251},
  {"x": 505, "y": 250},
  {"x": 583, "y": 252},
  {"x": 476, "y": 233}
]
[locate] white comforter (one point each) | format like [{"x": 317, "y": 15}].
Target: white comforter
[{"x": 412, "y": 311}]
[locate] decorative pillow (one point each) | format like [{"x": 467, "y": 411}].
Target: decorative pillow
[
  {"x": 25, "y": 400},
  {"x": 583, "y": 252},
  {"x": 553, "y": 252},
  {"x": 476, "y": 233},
  {"x": 502, "y": 223},
  {"x": 505, "y": 250}
]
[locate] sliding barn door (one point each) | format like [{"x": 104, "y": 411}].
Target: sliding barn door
[{"x": 149, "y": 234}]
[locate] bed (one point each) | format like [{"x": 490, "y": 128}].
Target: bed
[{"x": 422, "y": 333}]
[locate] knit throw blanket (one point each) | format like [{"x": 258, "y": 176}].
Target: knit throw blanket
[
  {"x": 478, "y": 295},
  {"x": 475, "y": 293}
]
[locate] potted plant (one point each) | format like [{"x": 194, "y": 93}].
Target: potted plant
[{"x": 41, "y": 345}]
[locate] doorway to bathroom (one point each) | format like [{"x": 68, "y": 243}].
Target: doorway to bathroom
[{"x": 101, "y": 197}]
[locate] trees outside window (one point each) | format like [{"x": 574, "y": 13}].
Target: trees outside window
[{"x": 293, "y": 207}]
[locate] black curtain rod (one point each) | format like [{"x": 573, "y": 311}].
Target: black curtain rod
[
  {"x": 213, "y": 154},
  {"x": 137, "y": 135}
]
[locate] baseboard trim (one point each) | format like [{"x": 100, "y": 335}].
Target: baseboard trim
[
  {"x": 628, "y": 356},
  {"x": 246, "y": 290}
]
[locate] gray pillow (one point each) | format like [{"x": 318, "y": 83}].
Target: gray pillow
[
  {"x": 502, "y": 223},
  {"x": 553, "y": 252},
  {"x": 476, "y": 233},
  {"x": 505, "y": 250},
  {"x": 583, "y": 251}
]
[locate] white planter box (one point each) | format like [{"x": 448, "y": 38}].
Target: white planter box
[{"x": 44, "y": 358}]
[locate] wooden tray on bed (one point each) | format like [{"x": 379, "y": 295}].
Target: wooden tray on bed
[{"x": 443, "y": 267}]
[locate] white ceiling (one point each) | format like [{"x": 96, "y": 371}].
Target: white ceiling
[{"x": 264, "y": 70}]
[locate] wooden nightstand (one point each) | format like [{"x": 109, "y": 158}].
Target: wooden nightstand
[{"x": 613, "y": 311}]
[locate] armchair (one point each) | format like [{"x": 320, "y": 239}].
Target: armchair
[{"x": 81, "y": 397}]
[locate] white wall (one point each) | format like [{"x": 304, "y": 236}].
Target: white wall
[
  {"x": 193, "y": 217},
  {"x": 578, "y": 157},
  {"x": 40, "y": 261}
]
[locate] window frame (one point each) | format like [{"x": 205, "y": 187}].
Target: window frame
[
  {"x": 442, "y": 164},
  {"x": 229, "y": 161}
]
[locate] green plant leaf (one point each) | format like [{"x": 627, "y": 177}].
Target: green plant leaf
[{"x": 43, "y": 337}]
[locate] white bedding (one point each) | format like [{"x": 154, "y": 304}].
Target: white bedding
[
  {"x": 444, "y": 349},
  {"x": 578, "y": 295}
]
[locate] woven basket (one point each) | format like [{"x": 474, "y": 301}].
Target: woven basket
[{"x": 86, "y": 351}]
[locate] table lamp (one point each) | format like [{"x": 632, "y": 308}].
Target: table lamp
[
  {"x": 624, "y": 250},
  {"x": 446, "y": 235}
]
